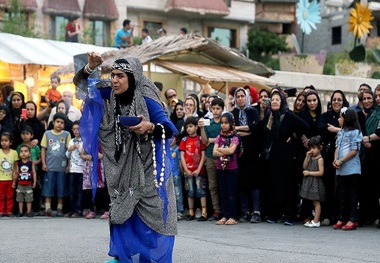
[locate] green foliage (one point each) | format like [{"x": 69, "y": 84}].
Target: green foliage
[
  {"x": 89, "y": 35},
  {"x": 376, "y": 75},
  {"x": 263, "y": 44},
  {"x": 331, "y": 60},
  {"x": 16, "y": 22},
  {"x": 136, "y": 41}
]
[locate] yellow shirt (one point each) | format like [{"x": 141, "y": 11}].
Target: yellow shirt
[{"x": 7, "y": 164}]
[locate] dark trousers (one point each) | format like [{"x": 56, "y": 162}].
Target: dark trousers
[
  {"x": 227, "y": 184},
  {"x": 75, "y": 190},
  {"x": 348, "y": 197}
]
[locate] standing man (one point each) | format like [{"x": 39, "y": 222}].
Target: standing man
[
  {"x": 170, "y": 95},
  {"x": 123, "y": 38}
]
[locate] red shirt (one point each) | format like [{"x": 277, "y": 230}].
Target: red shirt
[{"x": 193, "y": 147}]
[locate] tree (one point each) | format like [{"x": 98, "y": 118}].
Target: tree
[
  {"x": 15, "y": 21},
  {"x": 263, "y": 44}
]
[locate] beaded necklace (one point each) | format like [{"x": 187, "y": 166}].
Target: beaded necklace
[{"x": 159, "y": 183}]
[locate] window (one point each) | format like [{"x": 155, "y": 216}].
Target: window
[
  {"x": 224, "y": 36},
  {"x": 57, "y": 28},
  {"x": 153, "y": 27},
  {"x": 336, "y": 35},
  {"x": 98, "y": 33}
]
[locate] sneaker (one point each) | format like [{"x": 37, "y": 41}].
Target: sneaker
[
  {"x": 190, "y": 218},
  {"x": 112, "y": 261},
  {"x": 255, "y": 218},
  {"x": 180, "y": 216},
  {"x": 271, "y": 221},
  {"x": 76, "y": 215},
  {"x": 214, "y": 217},
  {"x": 288, "y": 222},
  {"x": 312, "y": 224},
  {"x": 202, "y": 218},
  {"x": 326, "y": 222},
  {"x": 106, "y": 215},
  {"x": 41, "y": 213},
  {"x": 69, "y": 214},
  {"x": 59, "y": 213},
  {"x": 91, "y": 215},
  {"x": 198, "y": 213},
  {"x": 50, "y": 212},
  {"x": 245, "y": 218}
]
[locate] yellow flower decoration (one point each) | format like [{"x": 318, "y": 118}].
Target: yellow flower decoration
[{"x": 359, "y": 20}]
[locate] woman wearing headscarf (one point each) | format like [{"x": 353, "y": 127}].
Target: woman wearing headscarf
[
  {"x": 328, "y": 128},
  {"x": 137, "y": 168},
  {"x": 372, "y": 141},
  {"x": 278, "y": 128},
  {"x": 246, "y": 121},
  {"x": 369, "y": 206},
  {"x": 17, "y": 103}
]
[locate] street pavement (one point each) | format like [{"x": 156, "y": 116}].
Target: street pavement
[{"x": 42, "y": 239}]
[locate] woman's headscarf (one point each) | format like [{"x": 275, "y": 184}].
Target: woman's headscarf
[
  {"x": 242, "y": 114},
  {"x": 274, "y": 120},
  {"x": 373, "y": 120},
  {"x": 318, "y": 110},
  {"x": 345, "y": 101}
]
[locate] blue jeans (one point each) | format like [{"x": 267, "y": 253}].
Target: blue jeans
[
  {"x": 52, "y": 181},
  {"x": 178, "y": 192},
  {"x": 255, "y": 194},
  {"x": 75, "y": 191},
  {"x": 196, "y": 186}
]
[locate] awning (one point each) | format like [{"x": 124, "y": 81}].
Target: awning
[
  {"x": 16, "y": 49},
  {"x": 217, "y": 76},
  {"x": 104, "y": 10},
  {"x": 27, "y": 5},
  {"x": 62, "y": 7},
  {"x": 202, "y": 7}
]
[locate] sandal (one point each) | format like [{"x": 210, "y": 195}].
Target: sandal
[
  {"x": 231, "y": 221},
  {"x": 221, "y": 221}
]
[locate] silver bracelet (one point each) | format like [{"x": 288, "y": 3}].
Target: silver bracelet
[{"x": 88, "y": 70}]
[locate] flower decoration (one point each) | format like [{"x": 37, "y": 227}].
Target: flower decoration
[
  {"x": 308, "y": 14},
  {"x": 359, "y": 20}
]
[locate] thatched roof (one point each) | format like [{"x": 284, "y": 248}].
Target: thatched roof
[{"x": 189, "y": 48}]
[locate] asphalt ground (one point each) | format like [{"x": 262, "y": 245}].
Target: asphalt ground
[{"x": 42, "y": 239}]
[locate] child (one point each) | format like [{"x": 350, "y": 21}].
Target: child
[
  {"x": 26, "y": 178},
  {"x": 192, "y": 160},
  {"x": 7, "y": 158},
  {"x": 208, "y": 135},
  {"x": 76, "y": 173},
  {"x": 312, "y": 185},
  {"x": 54, "y": 162},
  {"x": 102, "y": 198},
  {"x": 347, "y": 165},
  {"x": 53, "y": 95},
  {"x": 176, "y": 172},
  {"x": 27, "y": 135},
  {"x": 227, "y": 168}
]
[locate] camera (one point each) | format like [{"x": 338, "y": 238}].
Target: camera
[{"x": 53, "y": 103}]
